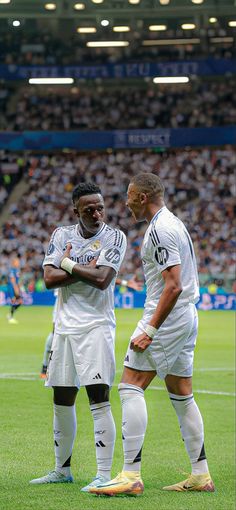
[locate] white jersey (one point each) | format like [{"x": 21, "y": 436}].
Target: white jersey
[
  {"x": 80, "y": 306},
  {"x": 167, "y": 243}
]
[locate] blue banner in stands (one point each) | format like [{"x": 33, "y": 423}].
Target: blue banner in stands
[
  {"x": 196, "y": 67},
  {"x": 130, "y": 139},
  {"x": 130, "y": 299}
]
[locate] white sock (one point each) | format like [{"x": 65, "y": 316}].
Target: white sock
[
  {"x": 47, "y": 349},
  {"x": 191, "y": 427},
  {"x": 134, "y": 424},
  {"x": 64, "y": 435},
  {"x": 105, "y": 436}
]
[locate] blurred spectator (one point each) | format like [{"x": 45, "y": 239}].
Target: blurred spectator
[
  {"x": 45, "y": 48},
  {"x": 11, "y": 170},
  {"x": 198, "y": 103}
]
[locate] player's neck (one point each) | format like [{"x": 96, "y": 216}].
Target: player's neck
[
  {"x": 86, "y": 233},
  {"x": 152, "y": 209}
]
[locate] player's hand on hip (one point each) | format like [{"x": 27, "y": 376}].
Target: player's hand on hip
[
  {"x": 140, "y": 343},
  {"x": 67, "y": 251}
]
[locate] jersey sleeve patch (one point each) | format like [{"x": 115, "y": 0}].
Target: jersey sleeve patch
[
  {"x": 54, "y": 252},
  {"x": 51, "y": 248},
  {"x": 113, "y": 251},
  {"x": 161, "y": 255},
  {"x": 164, "y": 247},
  {"x": 112, "y": 255}
]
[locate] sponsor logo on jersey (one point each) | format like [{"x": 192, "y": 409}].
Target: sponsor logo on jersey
[
  {"x": 161, "y": 255},
  {"x": 112, "y": 255},
  {"x": 83, "y": 259}
]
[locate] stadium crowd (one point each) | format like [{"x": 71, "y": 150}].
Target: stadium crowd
[
  {"x": 11, "y": 171},
  {"x": 199, "y": 189},
  {"x": 197, "y": 104},
  {"x": 28, "y": 48}
]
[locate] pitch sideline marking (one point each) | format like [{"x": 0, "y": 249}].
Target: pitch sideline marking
[
  {"x": 210, "y": 369},
  {"x": 27, "y": 376},
  {"x": 208, "y": 392}
]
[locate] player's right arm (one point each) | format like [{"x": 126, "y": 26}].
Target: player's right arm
[
  {"x": 107, "y": 264},
  {"x": 54, "y": 276},
  {"x": 96, "y": 276}
]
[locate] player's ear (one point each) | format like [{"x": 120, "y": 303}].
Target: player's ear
[
  {"x": 76, "y": 212},
  {"x": 143, "y": 198}
]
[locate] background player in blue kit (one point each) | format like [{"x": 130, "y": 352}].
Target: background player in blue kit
[{"x": 13, "y": 289}]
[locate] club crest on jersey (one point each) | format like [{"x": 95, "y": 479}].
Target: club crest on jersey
[
  {"x": 95, "y": 246},
  {"x": 161, "y": 255}
]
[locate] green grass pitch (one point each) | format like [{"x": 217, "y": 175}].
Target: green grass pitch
[{"x": 26, "y": 445}]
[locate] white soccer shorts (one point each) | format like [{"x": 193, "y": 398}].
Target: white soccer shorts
[
  {"x": 172, "y": 348},
  {"x": 54, "y": 313},
  {"x": 82, "y": 359}
]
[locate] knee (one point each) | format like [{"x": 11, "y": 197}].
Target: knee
[
  {"x": 64, "y": 396},
  {"x": 98, "y": 393},
  {"x": 128, "y": 391},
  {"x": 179, "y": 385}
]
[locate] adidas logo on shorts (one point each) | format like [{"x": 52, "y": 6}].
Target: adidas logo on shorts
[{"x": 97, "y": 376}]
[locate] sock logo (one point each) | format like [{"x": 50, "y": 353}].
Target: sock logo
[{"x": 100, "y": 443}]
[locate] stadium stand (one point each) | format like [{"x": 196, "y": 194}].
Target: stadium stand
[
  {"x": 24, "y": 48},
  {"x": 200, "y": 103},
  {"x": 197, "y": 180}
]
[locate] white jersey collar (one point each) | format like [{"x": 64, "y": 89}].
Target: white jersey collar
[
  {"x": 92, "y": 237},
  {"x": 154, "y": 218}
]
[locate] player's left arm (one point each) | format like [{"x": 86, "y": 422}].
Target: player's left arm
[
  {"x": 164, "y": 250},
  {"x": 107, "y": 264},
  {"x": 99, "y": 276},
  {"x": 130, "y": 284}
]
